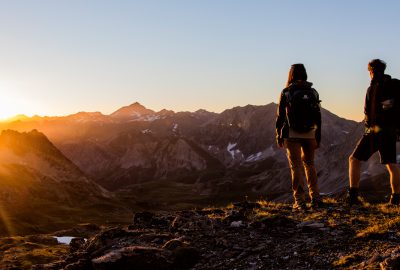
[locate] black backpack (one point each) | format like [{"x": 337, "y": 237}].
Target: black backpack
[{"x": 303, "y": 109}]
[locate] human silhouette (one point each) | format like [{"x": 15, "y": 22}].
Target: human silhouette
[
  {"x": 298, "y": 130},
  {"x": 380, "y": 131}
]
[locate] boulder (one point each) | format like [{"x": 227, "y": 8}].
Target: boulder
[{"x": 134, "y": 257}]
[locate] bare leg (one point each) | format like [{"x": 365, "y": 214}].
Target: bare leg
[
  {"x": 394, "y": 172},
  {"x": 354, "y": 172}
]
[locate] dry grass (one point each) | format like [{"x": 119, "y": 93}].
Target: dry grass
[
  {"x": 22, "y": 252},
  {"x": 383, "y": 227},
  {"x": 346, "y": 260}
]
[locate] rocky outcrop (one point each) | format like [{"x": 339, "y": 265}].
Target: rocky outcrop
[
  {"x": 40, "y": 186},
  {"x": 246, "y": 235}
]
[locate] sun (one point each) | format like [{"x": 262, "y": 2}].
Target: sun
[
  {"x": 6, "y": 111},
  {"x": 10, "y": 107},
  {"x": 12, "y": 101}
]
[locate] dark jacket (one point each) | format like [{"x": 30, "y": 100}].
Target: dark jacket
[
  {"x": 379, "y": 105},
  {"x": 282, "y": 127}
]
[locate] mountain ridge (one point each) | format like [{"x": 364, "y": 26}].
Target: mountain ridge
[
  {"x": 177, "y": 152},
  {"x": 135, "y": 106},
  {"x": 42, "y": 190}
]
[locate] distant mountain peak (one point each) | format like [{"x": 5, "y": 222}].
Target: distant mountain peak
[
  {"x": 136, "y": 104},
  {"x": 19, "y": 135},
  {"x": 32, "y": 141},
  {"x": 133, "y": 112},
  {"x": 19, "y": 117},
  {"x": 165, "y": 112},
  {"x": 202, "y": 111}
]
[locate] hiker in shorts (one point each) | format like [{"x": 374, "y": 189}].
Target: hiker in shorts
[
  {"x": 298, "y": 130},
  {"x": 380, "y": 132}
]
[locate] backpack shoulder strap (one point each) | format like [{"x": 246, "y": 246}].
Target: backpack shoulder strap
[
  {"x": 316, "y": 95},
  {"x": 288, "y": 93}
]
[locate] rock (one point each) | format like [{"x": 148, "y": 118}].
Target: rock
[
  {"x": 374, "y": 259},
  {"x": 49, "y": 266},
  {"x": 221, "y": 242},
  {"x": 173, "y": 244},
  {"x": 259, "y": 248},
  {"x": 390, "y": 264},
  {"x": 161, "y": 222},
  {"x": 190, "y": 220},
  {"x": 275, "y": 220},
  {"x": 155, "y": 237},
  {"x": 143, "y": 219},
  {"x": 392, "y": 260},
  {"x": 217, "y": 212},
  {"x": 235, "y": 215},
  {"x": 311, "y": 224},
  {"x": 76, "y": 243},
  {"x": 108, "y": 237},
  {"x": 237, "y": 224},
  {"x": 186, "y": 257},
  {"x": 79, "y": 265},
  {"x": 134, "y": 257}
]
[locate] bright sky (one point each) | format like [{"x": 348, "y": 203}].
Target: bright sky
[{"x": 61, "y": 57}]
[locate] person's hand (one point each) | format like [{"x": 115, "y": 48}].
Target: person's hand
[
  {"x": 366, "y": 121},
  {"x": 280, "y": 141}
]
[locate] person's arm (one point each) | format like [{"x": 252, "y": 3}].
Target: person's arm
[
  {"x": 367, "y": 108},
  {"x": 280, "y": 119},
  {"x": 319, "y": 124}
]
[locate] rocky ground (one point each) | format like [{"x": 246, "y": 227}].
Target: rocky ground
[{"x": 246, "y": 235}]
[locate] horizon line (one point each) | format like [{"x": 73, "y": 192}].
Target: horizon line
[{"x": 22, "y": 115}]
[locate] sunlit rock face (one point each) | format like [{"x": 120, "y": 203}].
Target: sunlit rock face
[{"x": 39, "y": 185}]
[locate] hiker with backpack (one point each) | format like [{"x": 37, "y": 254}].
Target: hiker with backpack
[
  {"x": 298, "y": 130},
  {"x": 381, "y": 118}
]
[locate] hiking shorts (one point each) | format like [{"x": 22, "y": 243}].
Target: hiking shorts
[{"x": 385, "y": 143}]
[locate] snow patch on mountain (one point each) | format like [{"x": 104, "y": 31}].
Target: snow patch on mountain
[
  {"x": 236, "y": 154},
  {"x": 230, "y": 149},
  {"x": 147, "y": 131},
  {"x": 366, "y": 173},
  {"x": 269, "y": 152},
  {"x": 146, "y": 118},
  {"x": 254, "y": 157}
]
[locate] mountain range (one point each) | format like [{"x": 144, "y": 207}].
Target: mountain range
[{"x": 167, "y": 159}]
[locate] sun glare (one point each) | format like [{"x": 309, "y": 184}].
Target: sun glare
[
  {"x": 12, "y": 102},
  {"x": 8, "y": 109},
  {"x": 6, "y": 112}
]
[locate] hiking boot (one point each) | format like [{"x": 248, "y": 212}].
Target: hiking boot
[
  {"x": 352, "y": 198},
  {"x": 394, "y": 199},
  {"x": 317, "y": 203},
  {"x": 301, "y": 206}
]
